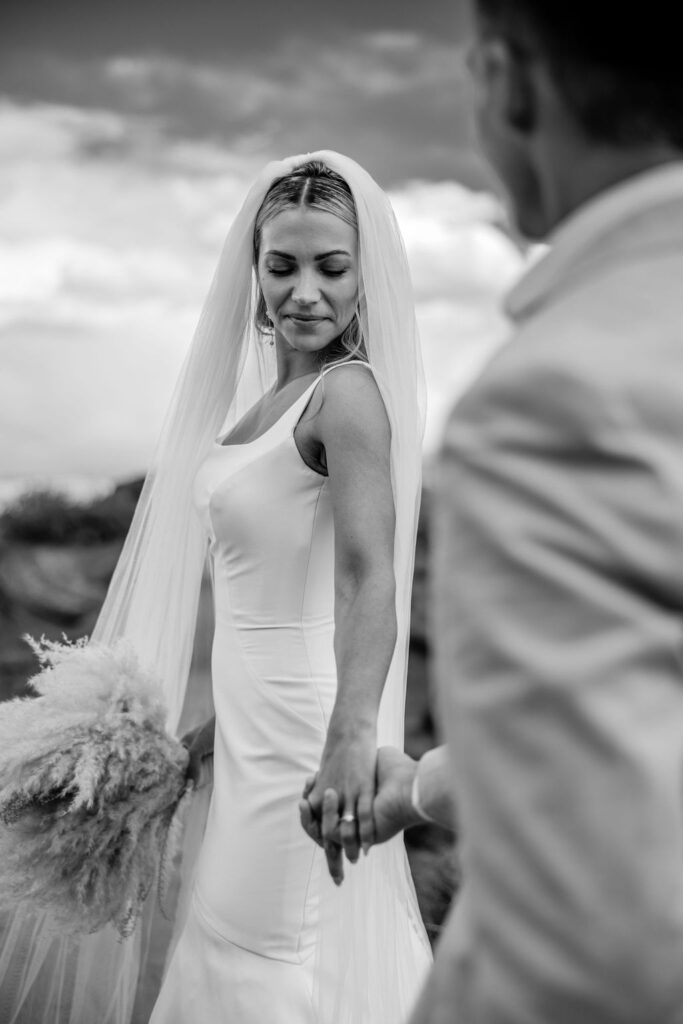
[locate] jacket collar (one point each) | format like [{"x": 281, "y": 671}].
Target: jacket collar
[{"x": 643, "y": 213}]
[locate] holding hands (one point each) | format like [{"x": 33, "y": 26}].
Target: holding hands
[{"x": 388, "y": 811}]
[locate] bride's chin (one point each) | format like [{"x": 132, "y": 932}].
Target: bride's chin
[{"x": 309, "y": 344}]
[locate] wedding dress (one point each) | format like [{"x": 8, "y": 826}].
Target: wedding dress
[{"x": 247, "y": 951}]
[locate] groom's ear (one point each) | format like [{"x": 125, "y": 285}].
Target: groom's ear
[{"x": 508, "y": 77}]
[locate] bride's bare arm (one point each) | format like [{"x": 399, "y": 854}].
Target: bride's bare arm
[{"x": 353, "y": 427}]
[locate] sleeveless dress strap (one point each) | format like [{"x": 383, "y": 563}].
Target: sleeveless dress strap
[{"x": 349, "y": 362}]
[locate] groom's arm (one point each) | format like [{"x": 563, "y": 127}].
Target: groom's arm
[{"x": 432, "y": 794}]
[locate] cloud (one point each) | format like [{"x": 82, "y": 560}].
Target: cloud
[
  {"x": 104, "y": 262},
  {"x": 111, "y": 231},
  {"x": 446, "y": 225},
  {"x": 461, "y": 264},
  {"x": 396, "y": 100}
]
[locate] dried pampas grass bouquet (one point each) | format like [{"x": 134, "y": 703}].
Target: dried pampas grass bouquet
[{"x": 90, "y": 783}]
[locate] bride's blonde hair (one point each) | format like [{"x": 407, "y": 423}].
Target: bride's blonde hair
[{"x": 315, "y": 186}]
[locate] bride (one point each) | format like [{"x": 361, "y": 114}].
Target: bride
[{"x": 306, "y": 356}]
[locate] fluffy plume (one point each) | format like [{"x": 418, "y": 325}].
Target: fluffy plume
[{"x": 90, "y": 781}]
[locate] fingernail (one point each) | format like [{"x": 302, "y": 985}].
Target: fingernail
[{"x": 366, "y": 848}]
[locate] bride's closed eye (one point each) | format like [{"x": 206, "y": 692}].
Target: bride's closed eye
[
  {"x": 333, "y": 271},
  {"x": 280, "y": 269},
  {"x": 327, "y": 271}
]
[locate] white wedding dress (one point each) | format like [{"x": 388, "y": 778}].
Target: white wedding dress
[{"x": 247, "y": 952}]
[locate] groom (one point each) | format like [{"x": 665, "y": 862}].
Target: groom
[
  {"x": 559, "y": 540},
  {"x": 559, "y": 543}
]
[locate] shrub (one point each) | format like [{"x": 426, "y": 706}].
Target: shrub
[{"x": 49, "y": 517}]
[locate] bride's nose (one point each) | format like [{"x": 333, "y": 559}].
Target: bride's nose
[{"x": 306, "y": 290}]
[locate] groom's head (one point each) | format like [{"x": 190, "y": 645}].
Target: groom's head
[{"x": 571, "y": 97}]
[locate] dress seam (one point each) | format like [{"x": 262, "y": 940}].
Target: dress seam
[
  {"x": 303, "y": 600},
  {"x": 207, "y": 922},
  {"x": 307, "y": 892},
  {"x": 317, "y": 694}
]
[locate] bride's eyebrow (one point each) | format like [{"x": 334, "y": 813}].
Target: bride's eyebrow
[
  {"x": 322, "y": 256},
  {"x": 333, "y": 252}
]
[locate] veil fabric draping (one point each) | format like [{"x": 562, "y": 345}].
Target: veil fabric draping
[{"x": 152, "y": 602}]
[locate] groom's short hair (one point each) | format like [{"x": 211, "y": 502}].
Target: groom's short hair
[{"x": 617, "y": 64}]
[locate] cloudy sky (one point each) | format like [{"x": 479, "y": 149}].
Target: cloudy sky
[{"x": 129, "y": 133}]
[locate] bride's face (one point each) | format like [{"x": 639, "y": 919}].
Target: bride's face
[{"x": 308, "y": 272}]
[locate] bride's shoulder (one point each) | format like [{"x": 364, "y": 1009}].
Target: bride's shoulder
[
  {"x": 351, "y": 379},
  {"x": 352, "y": 399},
  {"x": 351, "y": 374}
]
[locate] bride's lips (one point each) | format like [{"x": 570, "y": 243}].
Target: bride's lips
[{"x": 305, "y": 323}]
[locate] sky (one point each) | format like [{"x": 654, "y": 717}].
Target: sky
[{"x": 129, "y": 134}]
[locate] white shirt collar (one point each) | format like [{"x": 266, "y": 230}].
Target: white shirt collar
[{"x": 590, "y": 227}]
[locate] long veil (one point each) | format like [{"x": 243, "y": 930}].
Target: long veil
[{"x": 49, "y": 978}]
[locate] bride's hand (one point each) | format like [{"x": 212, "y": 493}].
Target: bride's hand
[
  {"x": 199, "y": 744},
  {"x": 345, "y": 785}
]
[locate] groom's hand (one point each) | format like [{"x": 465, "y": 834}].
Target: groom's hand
[
  {"x": 393, "y": 808},
  {"x": 199, "y": 745}
]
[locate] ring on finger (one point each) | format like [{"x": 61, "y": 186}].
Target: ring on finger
[{"x": 350, "y": 818}]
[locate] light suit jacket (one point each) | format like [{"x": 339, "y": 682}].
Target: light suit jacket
[{"x": 559, "y": 628}]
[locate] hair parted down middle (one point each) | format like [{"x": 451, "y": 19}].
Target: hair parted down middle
[{"x": 313, "y": 185}]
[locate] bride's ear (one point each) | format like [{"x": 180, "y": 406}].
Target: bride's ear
[{"x": 261, "y": 318}]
